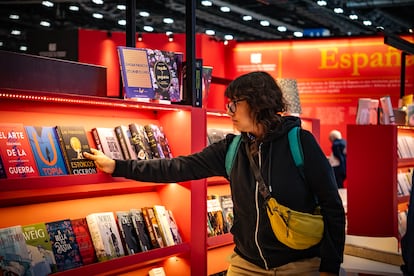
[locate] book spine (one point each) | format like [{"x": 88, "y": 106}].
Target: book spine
[
  {"x": 122, "y": 142},
  {"x": 152, "y": 141},
  {"x": 96, "y": 139},
  {"x": 148, "y": 224},
  {"x": 160, "y": 215},
  {"x": 198, "y": 93}
]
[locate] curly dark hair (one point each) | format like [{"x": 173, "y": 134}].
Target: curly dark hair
[{"x": 263, "y": 95}]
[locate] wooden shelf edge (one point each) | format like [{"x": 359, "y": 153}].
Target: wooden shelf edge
[
  {"x": 129, "y": 263},
  {"x": 218, "y": 241},
  {"x": 405, "y": 162}
]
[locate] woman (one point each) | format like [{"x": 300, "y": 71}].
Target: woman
[
  {"x": 255, "y": 104},
  {"x": 338, "y": 148}
]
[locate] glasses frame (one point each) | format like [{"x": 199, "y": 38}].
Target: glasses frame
[{"x": 232, "y": 105}]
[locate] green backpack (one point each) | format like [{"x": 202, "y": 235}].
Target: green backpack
[{"x": 295, "y": 149}]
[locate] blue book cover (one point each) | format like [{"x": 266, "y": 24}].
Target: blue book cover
[
  {"x": 64, "y": 245},
  {"x": 46, "y": 150}
]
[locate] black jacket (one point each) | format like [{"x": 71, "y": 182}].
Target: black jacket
[{"x": 260, "y": 246}]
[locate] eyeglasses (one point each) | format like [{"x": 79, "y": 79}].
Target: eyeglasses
[{"x": 232, "y": 105}]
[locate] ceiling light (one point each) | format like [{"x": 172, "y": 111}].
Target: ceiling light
[
  {"x": 97, "y": 15},
  {"x": 144, "y": 13},
  {"x": 367, "y": 23},
  {"x": 121, "y": 7},
  {"x": 322, "y": 3},
  {"x": 23, "y": 48},
  {"x": 225, "y": 9},
  {"x": 298, "y": 34},
  {"x": 167, "y": 33},
  {"x": 338, "y": 10},
  {"x": 14, "y": 16},
  {"x": 16, "y": 32},
  {"x": 98, "y": 2},
  {"x": 206, "y": 3},
  {"x": 47, "y": 4},
  {"x": 264, "y": 23},
  {"x": 73, "y": 8},
  {"x": 1, "y": 43},
  {"x": 171, "y": 38},
  {"x": 210, "y": 32},
  {"x": 228, "y": 37},
  {"x": 247, "y": 17},
  {"x": 148, "y": 29},
  {"x": 122, "y": 22},
  {"x": 226, "y": 42},
  {"x": 353, "y": 16},
  {"x": 44, "y": 23},
  {"x": 281, "y": 28},
  {"x": 139, "y": 37},
  {"x": 168, "y": 20}
]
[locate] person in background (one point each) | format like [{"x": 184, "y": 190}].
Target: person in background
[
  {"x": 256, "y": 106},
  {"x": 338, "y": 156}
]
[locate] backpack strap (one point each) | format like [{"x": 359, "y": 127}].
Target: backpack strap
[
  {"x": 231, "y": 153},
  {"x": 295, "y": 149}
]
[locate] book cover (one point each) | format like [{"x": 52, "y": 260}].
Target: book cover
[
  {"x": 150, "y": 73},
  {"x": 15, "y": 151},
  {"x": 46, "y": 150},
  {"x": 363, "y": 111},
  {"x": 107, "y": 142},
  {"x": 388, "y": 116},
  {"x": 164, "y": 225},
  {"x": 40, "y": 248},
  {"x": 125, "y": 141},
  {"x": 140, "y": 141},
  {"x": 206, "y": 82},
  {"x": 128, "y": 234},
  {"x": 14, "y": 255},
  {"x": 215, "y": 215},
  {"x": 141, "y": 229},
  {"x": 73, "y": 141},
  {"x": 194, "y": 98},
  {"x": 227, "y": 207},
  {"x": 105, "y": 235},
  {"x": 84, "y": 240},
  {"x": 153, "y": 226},
  {"x": 158, "y": 141},
  {"x": 64, "y": 245},
  {"x": 174, "y": 227}
]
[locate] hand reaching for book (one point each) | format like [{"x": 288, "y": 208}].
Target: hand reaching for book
[{"x": 102, "y": 162}]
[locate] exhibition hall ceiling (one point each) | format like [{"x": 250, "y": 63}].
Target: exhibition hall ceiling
[{"x": 242, "y": 20}]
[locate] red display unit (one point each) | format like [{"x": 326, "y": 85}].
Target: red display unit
[{"x": 373, "y": 164}]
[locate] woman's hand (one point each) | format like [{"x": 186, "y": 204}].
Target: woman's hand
[{"x": 102, "y": 162}]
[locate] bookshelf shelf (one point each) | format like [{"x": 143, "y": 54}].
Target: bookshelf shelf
[
  {"x": 220, "y": 240},
  {"x": 46, "y": 198}
]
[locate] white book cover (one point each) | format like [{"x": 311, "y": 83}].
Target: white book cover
[
  {"x": 161, "y": 215},
  {"x": 107, "y": 141}
]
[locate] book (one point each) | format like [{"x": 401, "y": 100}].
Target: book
[
  {"x": 73, "y": 141},
  {"x": 40, "y": 249},
  {"x": 46, "y": 150},
  {"x": 157, "y": 271},
  {"x": 140, "y": 228},
  {"x": 153, "y": 227},
  {"x": 64, "y": 245},
  {"x": 140, "y": 141},
  {"x": 150, "y": 73},
  {"x": 15, "y": 151},
  {"x": 174, "y": 227},
  {"x": 107, "y": 142},
  {"x": 128, "y": 234},
  {"x": 158, "y": 141},
  {"x": 206, "y": 83},
  {"x": 84, "y": 240},
  {"x": 215, "y": 135},
  {"x": 226, "y": 203},
  {"x": 14, "y": 255},
  {"x": 215, "y": 215},
  {"x": 388, "y": 117},
  {"x": 164, "y": 225},
  {"x": 105, "y": 235},
  {"x": 124, "y": 136}
]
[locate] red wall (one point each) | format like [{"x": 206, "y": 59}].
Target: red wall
[{"x": 331, "y": 73}]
